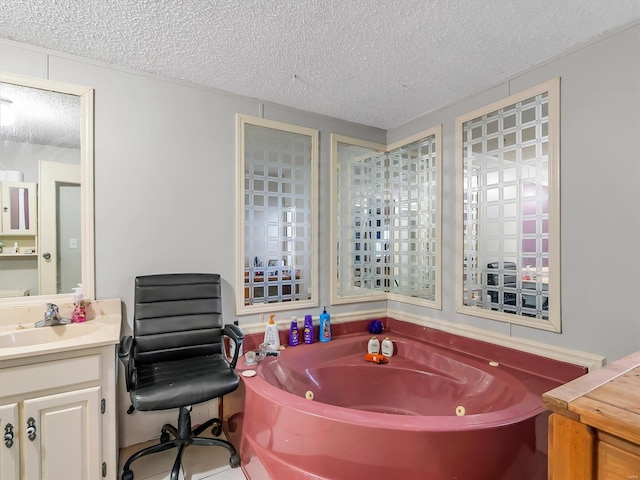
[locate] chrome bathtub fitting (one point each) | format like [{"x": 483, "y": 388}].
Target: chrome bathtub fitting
[{"x": 52, "y": 317}]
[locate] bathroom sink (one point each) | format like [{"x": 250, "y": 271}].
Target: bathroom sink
[{"x": 37, "y": 336}]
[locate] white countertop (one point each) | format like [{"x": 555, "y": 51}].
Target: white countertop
[{"x": 20, "y": 339}]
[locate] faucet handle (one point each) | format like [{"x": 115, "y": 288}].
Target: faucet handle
[{"x": 52, "y": 312}]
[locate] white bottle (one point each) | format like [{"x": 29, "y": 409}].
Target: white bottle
[
  {"x": 374, "y": 345},
  {"x": 16, "y": 248},
  {"x": 487, "y": 302},
  {"x": 387, "y": 347},
  {"x": 271, "y": 335}
]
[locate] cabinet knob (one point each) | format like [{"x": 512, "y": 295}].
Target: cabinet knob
[
  {"x": 31, "y": 429},
  {"x": 8, "y": 435},
  {"x": 46, "y": 255}
]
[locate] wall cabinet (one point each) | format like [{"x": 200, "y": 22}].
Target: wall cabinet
[
  {"x": 19, "y": 219},
  {"x": 51, "y": 416},
  {"x": 19, "y": 208}
]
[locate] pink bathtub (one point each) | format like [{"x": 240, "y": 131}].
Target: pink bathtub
[{"x": 429, "y": 413}]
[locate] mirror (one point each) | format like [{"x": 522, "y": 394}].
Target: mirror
[
  {"x": 46, "y": 190},
  {"x": 277, "y": 216},
  {"x": 508, "y": 209},
  {"x": 386, "y": 220}
]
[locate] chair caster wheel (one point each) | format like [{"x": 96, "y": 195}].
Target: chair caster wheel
[
  {"x": 164, "y": 437},
  {"x": 216, "y": 430},
  {"x": 127, "y": 475},
  {"x": 234, "y": 461}
]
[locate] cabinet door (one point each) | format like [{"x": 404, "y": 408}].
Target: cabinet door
[
  {"x": 19, "y": 208},
  {"x": 10, "y": 448},
  {"x": 67, "y": 437}
]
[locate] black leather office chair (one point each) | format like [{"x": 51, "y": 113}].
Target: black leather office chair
[
  {"x": 175, "y": 358},
  {"x": 509, "y": 280}
]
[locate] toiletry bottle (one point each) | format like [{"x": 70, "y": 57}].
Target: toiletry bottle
[
  {"x": 79, "y": 313},
  {"x": 308, "y": 329},
  {"x": 294, "y": 339},
  {"x": 387, "y": 347},
  {"x": 232, "y": 344},
  {"x": 16, "y": 248},
  {"x": 374, "y": 345},
  {"x": 325, "y": 326},
  {"x": 487, "y": 302},
  {"x": 271, "y": 336}
]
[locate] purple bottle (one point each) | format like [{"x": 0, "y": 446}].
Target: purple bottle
[
  {"x": 294, "y": 338},
  {"x": 308, "y": 329}
]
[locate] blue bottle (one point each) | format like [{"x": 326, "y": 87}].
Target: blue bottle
[{"x": 325, "y": 326}]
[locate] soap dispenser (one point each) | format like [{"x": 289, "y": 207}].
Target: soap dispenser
[
  {"x": 79, "y": 314},
  {"x": 271, "y": 335}
]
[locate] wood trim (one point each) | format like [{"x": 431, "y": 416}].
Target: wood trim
[{"x": 571, "y": 447}]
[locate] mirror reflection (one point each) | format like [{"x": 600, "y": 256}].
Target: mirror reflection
[
  {"x": 40, "y": 186},
  {"x": 387, "y": 218},
  {"x": 508, "y": 209},
  {"x": 278, "y": 169}
]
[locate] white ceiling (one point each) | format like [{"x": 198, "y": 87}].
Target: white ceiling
[{"x": 374, "y": 62}]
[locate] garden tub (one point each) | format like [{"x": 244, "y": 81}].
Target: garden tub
[{"x": 321, "y": 411}]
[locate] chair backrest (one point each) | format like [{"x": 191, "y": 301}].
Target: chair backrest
[
  {"x": 508, "y": 280},
  {"x": 177, "y": 316}
]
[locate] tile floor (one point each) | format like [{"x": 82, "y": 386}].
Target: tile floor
[{"x": 198, "y": 463}]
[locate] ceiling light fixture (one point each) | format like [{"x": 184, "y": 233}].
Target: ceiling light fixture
[{"x": 7, "y": 115}]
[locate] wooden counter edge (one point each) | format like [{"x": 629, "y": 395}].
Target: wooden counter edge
[{"x": 558, "y": 399}]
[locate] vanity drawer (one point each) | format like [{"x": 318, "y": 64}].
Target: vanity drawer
[
  {"x": 47, "y": 375},
  {"x": 615, "y": 462}
]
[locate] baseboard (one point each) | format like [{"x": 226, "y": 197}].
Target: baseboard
[{"x": 575, "y": 357}]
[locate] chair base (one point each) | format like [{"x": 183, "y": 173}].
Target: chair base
[{"x": 183, "y": 437}]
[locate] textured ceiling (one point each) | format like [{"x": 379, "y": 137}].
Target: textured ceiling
[{"x": 374, "y": 62}]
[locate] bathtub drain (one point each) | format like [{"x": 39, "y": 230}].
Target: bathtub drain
[
  {"x": 460, "y": 411},
  {"x": 309, "y": 395}
]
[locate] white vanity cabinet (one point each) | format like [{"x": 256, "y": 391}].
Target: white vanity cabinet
[{"x": 61, "y": 408}]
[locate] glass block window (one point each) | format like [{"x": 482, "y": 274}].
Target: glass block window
[
  {"x": 278, "y": 175},
  {"x": 387, "y": 219},
  {"x": 506, "y": 215},
  {"x": 412, "y": 218}
]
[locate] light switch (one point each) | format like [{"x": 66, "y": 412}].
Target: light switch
[{"x": 73, "y": 243}]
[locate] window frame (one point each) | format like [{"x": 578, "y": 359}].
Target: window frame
[
  {"x": 374, "y": 295},
  {"x": 241, "y": 308},
  {"x": 554, "y": 321}
]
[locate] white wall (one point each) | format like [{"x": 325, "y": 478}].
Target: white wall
[
  {"x": 600, "y": 206},
  {"x": 165, "y": 178},
  {"x": 165, "y": 183}
]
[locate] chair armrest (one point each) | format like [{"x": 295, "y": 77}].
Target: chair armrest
[
  {"x": 235, "y": 334},
  {"x": 125, "y": 353}
]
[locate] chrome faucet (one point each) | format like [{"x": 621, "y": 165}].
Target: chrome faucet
[{"x": 52, "y": 317}]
